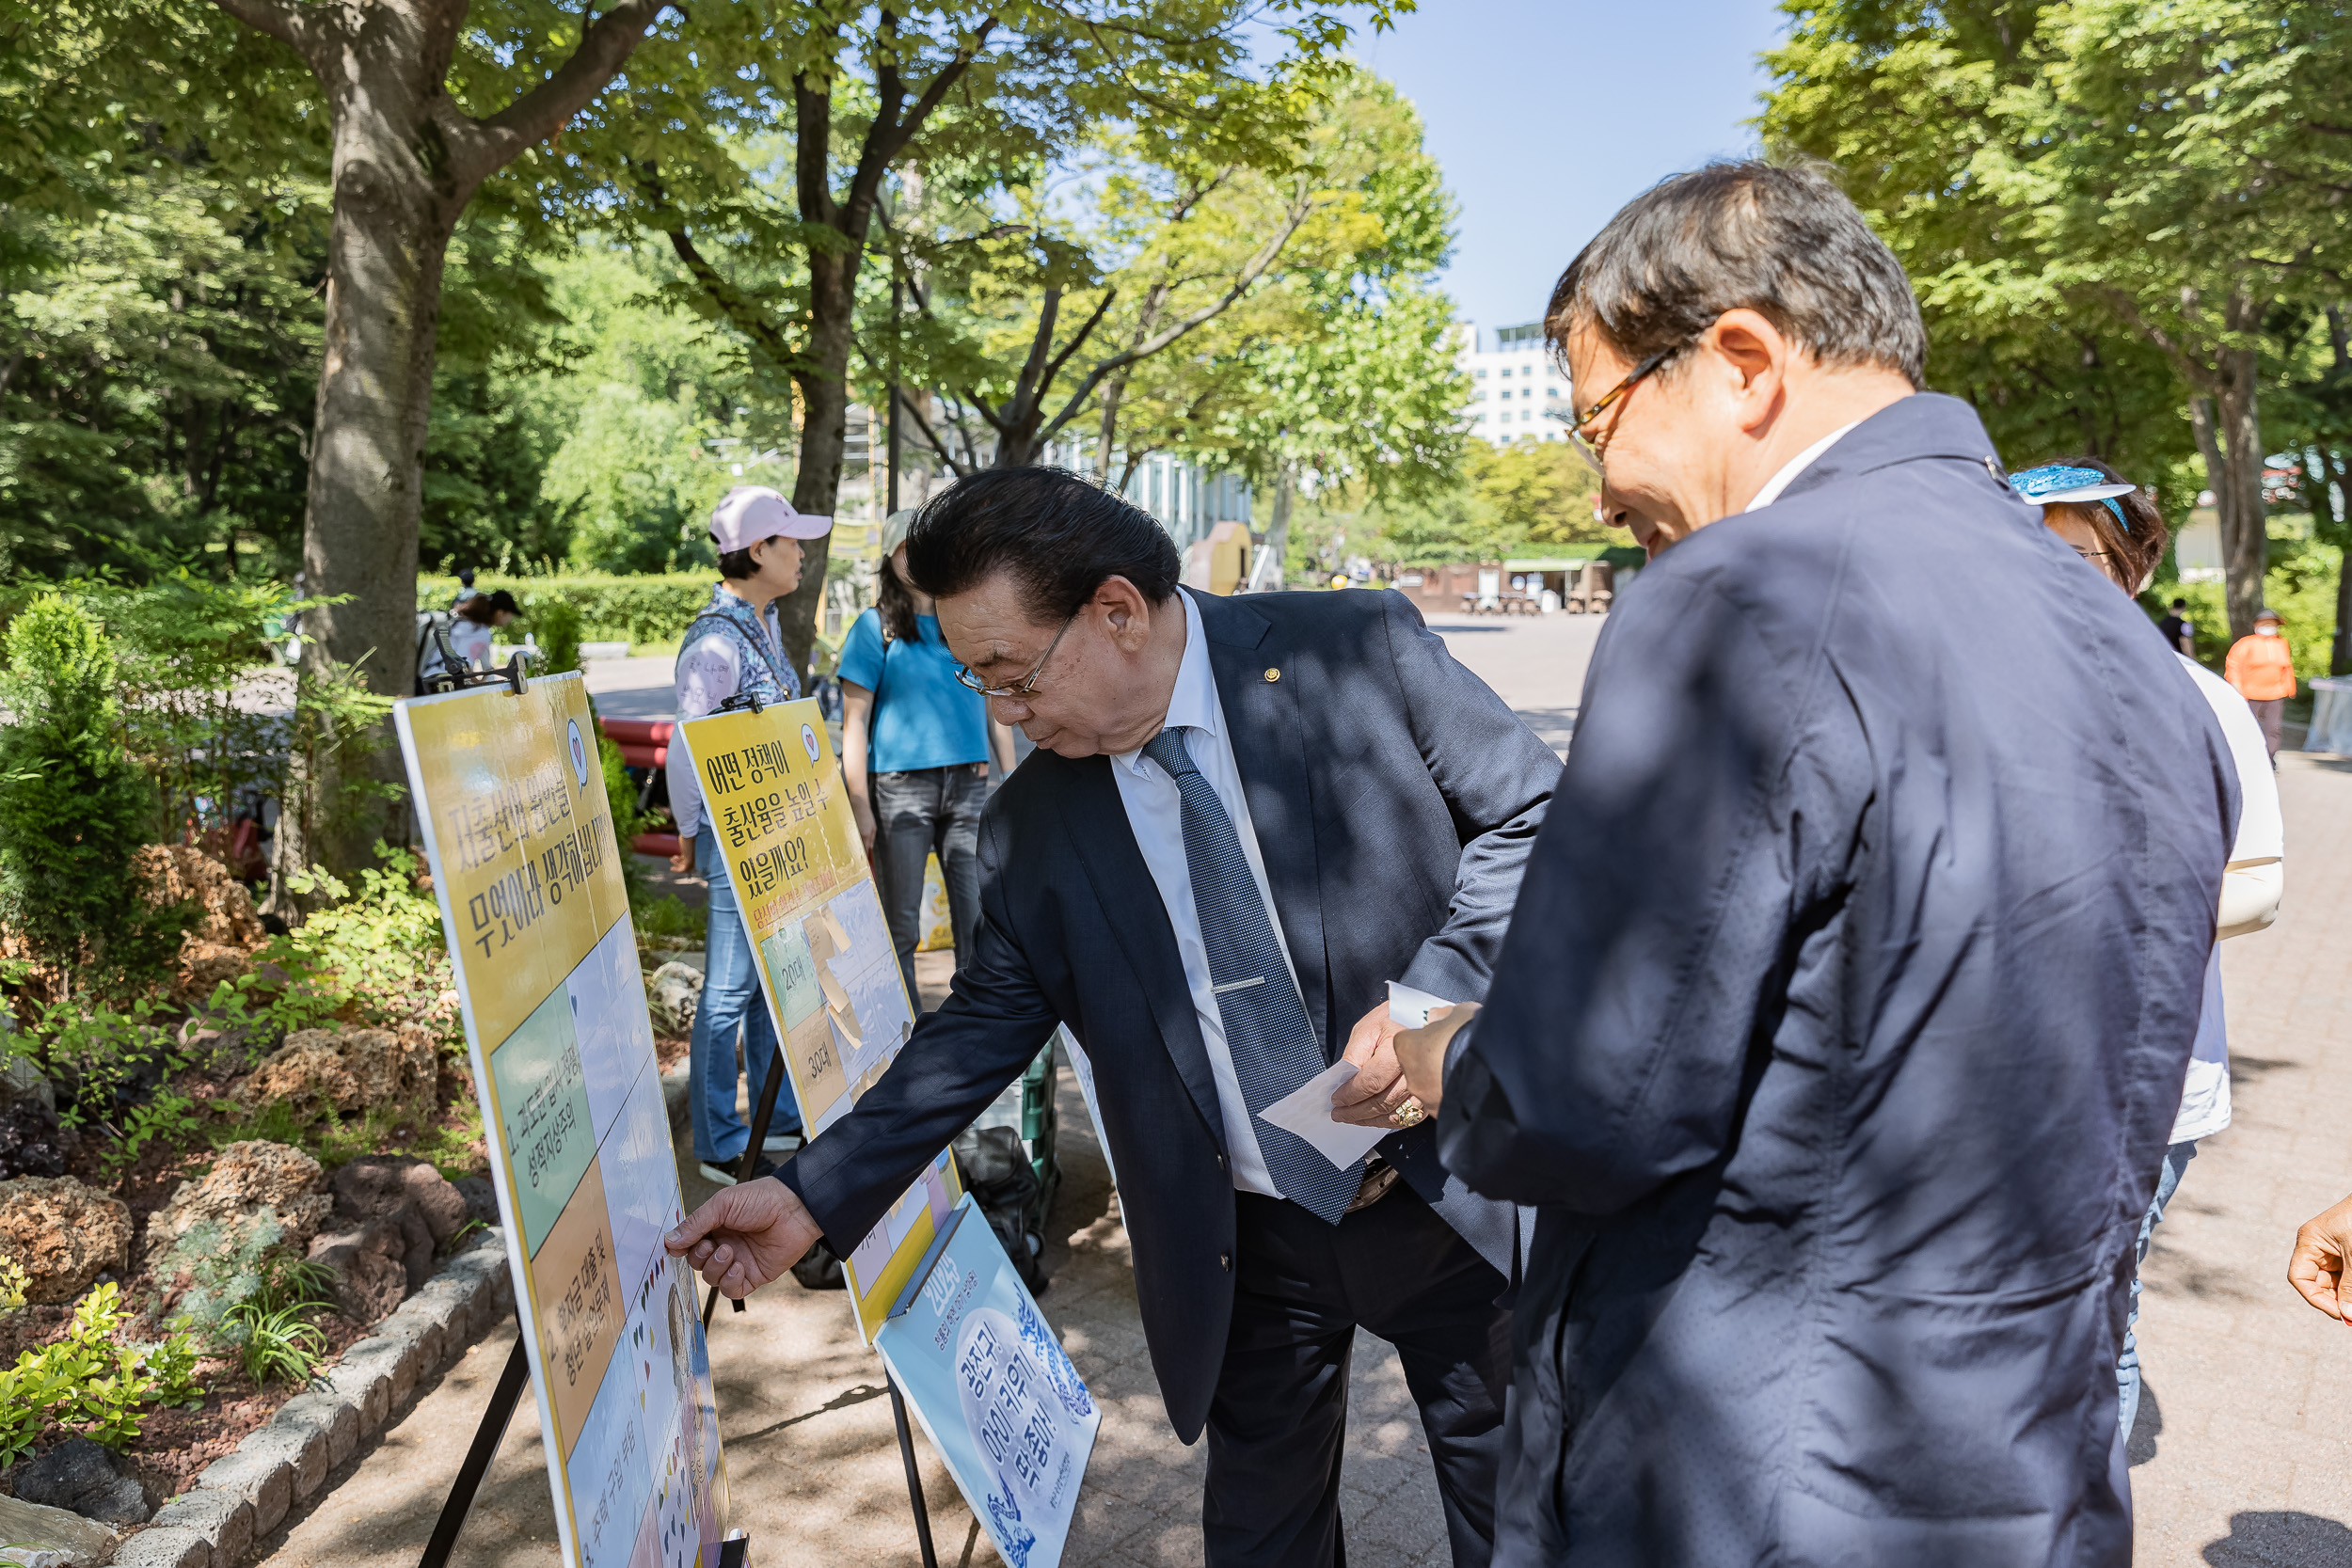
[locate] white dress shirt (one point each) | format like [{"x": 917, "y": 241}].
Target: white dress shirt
[
  {"x": 1795, "y": 465},
  {"x": 1154, "y": 811}
]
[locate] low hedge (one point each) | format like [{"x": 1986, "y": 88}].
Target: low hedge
[{"x": 648, "y": 608}]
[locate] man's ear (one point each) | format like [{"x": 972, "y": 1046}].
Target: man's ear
[
  {"x": 1748, "y": 343},
  {"x": 1125, "y": 612}
]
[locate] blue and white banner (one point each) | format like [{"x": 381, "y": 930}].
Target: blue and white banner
[{"x": 993, "y": 1389}]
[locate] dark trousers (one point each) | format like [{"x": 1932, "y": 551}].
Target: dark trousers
[
  {"x": 2271, "y": 714},
  {"x": 1277, "y": 1425},
  {"x": 917, "y": 815}
]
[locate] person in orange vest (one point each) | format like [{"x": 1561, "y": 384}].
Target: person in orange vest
[{"x": 2262, "y": 667}]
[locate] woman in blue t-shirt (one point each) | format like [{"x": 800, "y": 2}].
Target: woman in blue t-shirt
[{"x": 914, "y": 750}]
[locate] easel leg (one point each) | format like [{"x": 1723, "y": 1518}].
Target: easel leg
[
  {"x": 486, "y": 1437},
  {"x": 761, "y": 1118},
  {"x": 914, "y": 1477}
]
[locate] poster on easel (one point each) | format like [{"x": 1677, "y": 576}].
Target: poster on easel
[
  {"x": 995, "y": 1392},
  {"x": 772, "y": 792},
  {"x": 518, "y": 836}
]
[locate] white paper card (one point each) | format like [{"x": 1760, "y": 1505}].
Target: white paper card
[
  {"x": 1410, "y": 1007},
  {"x": 1306, "y": 1111}
]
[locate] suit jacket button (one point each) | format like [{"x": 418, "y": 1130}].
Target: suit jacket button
[
  {"x": 1225, "y": 1261},
  {"x": 1220, "y": 1162}
]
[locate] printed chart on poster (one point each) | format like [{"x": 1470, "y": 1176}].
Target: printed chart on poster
[
  {"x": 994, "y": 1391},
  {"x": 772, "y": 790},
  {"x": 519, "y": 836}
]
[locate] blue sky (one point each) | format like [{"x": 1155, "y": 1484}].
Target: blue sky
[{"x": 1550, "y": 114}]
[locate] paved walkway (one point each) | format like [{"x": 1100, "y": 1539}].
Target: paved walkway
[{"x": 2243, "y": 1455}]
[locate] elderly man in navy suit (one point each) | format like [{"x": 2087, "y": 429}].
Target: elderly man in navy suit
[
  {"x": 1839, "y": 1044},
  {"x": 1244, "y": 816}
]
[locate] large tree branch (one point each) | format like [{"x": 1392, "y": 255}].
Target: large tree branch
[
  {"x": 929, "y": 436},
  {"x": 740, "y": 314},
  {"x": 1249, "y": 274},
  {"x": 889, "y": 133},
  {"x": 604, "y": 48},
  {"x": 2197, "y": 372},
  {"x": 1025, "y": 386},
  {"x": 301, "y": 28}
]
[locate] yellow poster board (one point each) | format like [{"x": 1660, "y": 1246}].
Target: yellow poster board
[
  {"x": 519, "y": 837},
  {"x": 772, "y": 790}
]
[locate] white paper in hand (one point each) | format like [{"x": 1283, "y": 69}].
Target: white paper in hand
[
  {"x": 1306, "y": 1111},
  {"x": 1410, "y": 1007}
]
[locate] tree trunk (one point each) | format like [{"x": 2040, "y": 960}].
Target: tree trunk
[
  {"x": 395, "y": 207},
  {"x": 406, "y": 161},
  {"x": 1278, "y": 530},
  {"x": 2245, "y": 528},
  {"x": 824, "y": 385}
]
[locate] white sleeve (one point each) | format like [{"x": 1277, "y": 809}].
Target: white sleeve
[
  {"x": 2255, "y": 880},
  {"x": 706, "y": 674}
]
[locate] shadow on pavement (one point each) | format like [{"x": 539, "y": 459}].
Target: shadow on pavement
[
  {"x": 2281, "y": 1540},
  {"x": 2147, "y": 1426}
]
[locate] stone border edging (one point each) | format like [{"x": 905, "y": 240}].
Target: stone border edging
[{"x": 283, "y": 1463}]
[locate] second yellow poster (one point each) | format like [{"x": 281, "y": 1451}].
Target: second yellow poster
[{"x": 773, "y": 788}]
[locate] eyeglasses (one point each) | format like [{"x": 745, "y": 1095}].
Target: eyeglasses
[
  {"x": 1028, "y": 683},
  {"x": 1587, "y": 450}
]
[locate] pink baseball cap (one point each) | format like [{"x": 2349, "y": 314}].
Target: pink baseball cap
[{"x": 750, "y": 513}]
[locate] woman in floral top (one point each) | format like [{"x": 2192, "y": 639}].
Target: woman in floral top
[{"x": 735, "y": 646}]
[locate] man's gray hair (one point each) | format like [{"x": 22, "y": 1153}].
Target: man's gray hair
[{"x": 1784, "y": 243}]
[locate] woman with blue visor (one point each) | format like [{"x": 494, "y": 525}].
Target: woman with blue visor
[{"x": 2118, "y": 530}]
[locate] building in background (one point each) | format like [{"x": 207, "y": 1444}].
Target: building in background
[
  {"x": 1188, "y": 501},
  {"x": 1513, "y": 384}
]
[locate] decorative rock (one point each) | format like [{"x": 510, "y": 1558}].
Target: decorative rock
[
  {"x": 82, "y": 1542},
  {"x": 180, "y": 872},
  {"x": 672, "y": 993},
  {"x": 322, "y": 1416},
  {"x": 204, "y": 966},
  {"x": 246, "y": 1178},
  {"x": 63, "y": 1233},
  {"x": 21, "y": 1080},
  {"x": 266, "y": 1481},
  {"x": 172, "y": 1546},
  {"x": 224, "y": 1519},
  {"x": 79, "y": 1475},
  {"x": 482, "y": 1198},
  {"x": 352, "y": 1071},
  {"x": 391, "y": 1214}
]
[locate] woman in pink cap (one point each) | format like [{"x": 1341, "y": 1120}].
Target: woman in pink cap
[{"x": 735, "y": 646}]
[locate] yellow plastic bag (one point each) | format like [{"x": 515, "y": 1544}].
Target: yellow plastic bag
[{"x": 939, "y": 933}]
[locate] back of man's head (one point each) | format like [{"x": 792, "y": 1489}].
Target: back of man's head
[
  {"x": 1784, "y": 243},
  {"x": 2179, "y": 604},
  {"x": 1058, "y": 535}
]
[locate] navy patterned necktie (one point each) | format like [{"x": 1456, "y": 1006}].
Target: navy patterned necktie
[{"x": 1266, "y": 1031}]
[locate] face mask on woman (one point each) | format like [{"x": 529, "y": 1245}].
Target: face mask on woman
[{"x": 2268, "y": 628}]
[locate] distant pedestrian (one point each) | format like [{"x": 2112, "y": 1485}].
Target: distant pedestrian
[
  {"x": 475, "y": 623},
  {"x": 2262, "y": 667},
  {"x": 914, "y": 750},
  {"x": 465, "y": 586},
  {"x": 735, "y": 646},
  {"x": 1845, "y": 1007},
  {"x": 2180, "y": 632},
  {"x": 2115, "y": 527}
]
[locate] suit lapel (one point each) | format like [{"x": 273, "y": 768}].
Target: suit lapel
[
  {"x": 1270, "y": 750},
  {"x": 1129, "y": 899}
]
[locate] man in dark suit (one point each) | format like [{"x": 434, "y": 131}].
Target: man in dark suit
[
  {"x": 1244, "y": 817},
  {"x": 1840, "y": 1043}
]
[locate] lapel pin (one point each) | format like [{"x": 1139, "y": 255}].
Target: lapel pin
[{"x": 1274, "y": 675}]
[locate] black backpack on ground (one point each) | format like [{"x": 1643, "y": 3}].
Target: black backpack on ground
[{"x": 1003, "y": 1184}]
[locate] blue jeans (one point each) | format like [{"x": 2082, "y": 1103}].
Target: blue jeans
[
  {"x": 2176, "y": 1160},
  {"x": 730, "y": 1001}
]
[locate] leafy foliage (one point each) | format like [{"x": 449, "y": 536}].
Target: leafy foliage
[
  {"x": 87, "y": 1381},
  {"x": 650, "y": 608},
  {"x": 74, "y": 807}
]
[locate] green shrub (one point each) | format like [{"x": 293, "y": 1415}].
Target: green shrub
[
  {"x": 74, "y": 808},
  {"x": 94, "y": 1050},
  {"x": 555, "y": 622},
  {"x": 87, "y": 1381}
]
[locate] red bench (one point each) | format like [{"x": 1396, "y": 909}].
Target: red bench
[{"x": 643, "y": 743}]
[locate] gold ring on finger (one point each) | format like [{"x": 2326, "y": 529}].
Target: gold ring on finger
[{"x": 1409, "y": 1114}]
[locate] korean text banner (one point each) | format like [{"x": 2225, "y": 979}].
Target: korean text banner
[
  {"x": 773, "y": 793},
  {"x": 519, "y": 837},
  {"x": 994, "y": 1391}
]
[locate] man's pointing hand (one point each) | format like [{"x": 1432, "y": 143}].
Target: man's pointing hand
[{"x": 745, "y": 1236}]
